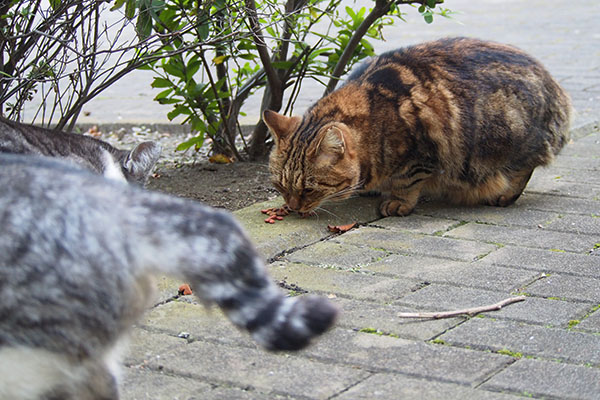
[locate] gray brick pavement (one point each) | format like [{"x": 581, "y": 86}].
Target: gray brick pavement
[{"x": 440, "y": 258}]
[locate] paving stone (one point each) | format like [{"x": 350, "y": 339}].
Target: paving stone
[
  {"x": 548, "y": 343},
  {"x": 592, "y": 322},
  {"x": 544, "y": 260},
  {"x": 577, "y": 175},
  {"x": 581, "y": 163},
  {"x": 416, "y": 223},
  {"x": 280, "y": 373},
  {"x": 415, "y": 358},
  {"x": 560, "y": 204},
  {"x": 383, "y": 317},
  {"x": 567, "y": 287},
  {"x": 547, "y": 379},
  {"x": 549, "y": 186},
  {"x": 388, "y": 386},
  {"x": 474, "y": 274},
  {"x": 412, "y": 266},
  {"x": 581, "y": 149},
  {"x": 513, "y": 215},
  {"x": 411, "y": 243},
  {"x": 150, "y": 385},
  {"x": 198, "y": 321},
  {"x": 538, "y": 238},
  {"x": 144, "y": 345},
  {"x": 296, "y": 232},
  {"x": 145, "y": 384},
  {"x": 329, "y": 253},
  {"x": 579, "y": 224},
  {"x": 357, "y": 285}
]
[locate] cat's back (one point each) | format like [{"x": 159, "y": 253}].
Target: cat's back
[
  {"x": 460, "y": 59},
  {"x": 68, "y": 275},
  {"x": 464, "y": 94}
]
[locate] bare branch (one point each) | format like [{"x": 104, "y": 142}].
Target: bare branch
[
  {"x": 382, "y": 7},
  {"x": 261, "y": 47},
  {"x": 466, "y": 311}
]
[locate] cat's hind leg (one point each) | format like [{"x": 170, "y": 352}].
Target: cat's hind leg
[{"x": 516, "y": 184}]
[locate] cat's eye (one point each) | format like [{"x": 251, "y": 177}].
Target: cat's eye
[{"x": 307, "y": 191}]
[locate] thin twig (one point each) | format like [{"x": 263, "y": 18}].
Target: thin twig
[{"x": 466, "y": 311}]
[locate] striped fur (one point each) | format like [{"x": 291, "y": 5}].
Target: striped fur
[
  {"x": 462, "y": 119},
  {"x": 84, "y": 151},
  {"x": 77, "y": 253}
]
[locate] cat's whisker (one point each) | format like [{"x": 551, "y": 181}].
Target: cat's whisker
[{"x": 327, "y": 211}]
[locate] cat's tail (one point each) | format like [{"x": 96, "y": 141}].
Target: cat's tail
[
  {"x": 253, "y": 302},
  {"x": 223, "y": 267}
]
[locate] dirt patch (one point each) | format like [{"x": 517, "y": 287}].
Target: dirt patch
[
  {"x": 190, "y": 174},
  {"x": 229, "y": 186}
]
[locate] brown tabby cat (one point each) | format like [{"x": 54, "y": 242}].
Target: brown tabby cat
[{"x": 459, "y": 118}]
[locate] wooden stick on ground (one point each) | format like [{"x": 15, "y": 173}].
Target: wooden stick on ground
[{"x": 466, "y": 311}]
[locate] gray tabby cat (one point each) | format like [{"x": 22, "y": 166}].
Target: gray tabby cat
[
  {"x": 87, "y": 152},
  {"x": 76, "y": 255}
]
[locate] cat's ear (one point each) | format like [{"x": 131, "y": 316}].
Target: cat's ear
[
  {"x": 280, "y": 125},
  {"x": 139, "y": 162},
  {"x": 331, "y": 146}
]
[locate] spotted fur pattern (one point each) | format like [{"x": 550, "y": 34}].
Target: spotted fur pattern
[
  {"x": 77, "y": 253},
  {"x": 462, "y": 119}
]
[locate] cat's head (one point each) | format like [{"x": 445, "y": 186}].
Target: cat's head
[
  {"x": 138, "y": 163},
  {"x": 312, "y": 161}
]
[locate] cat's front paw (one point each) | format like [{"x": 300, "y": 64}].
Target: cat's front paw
[{"x": 394, "y": 207}]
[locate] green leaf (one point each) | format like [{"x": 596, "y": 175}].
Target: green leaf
[
  {"x": 118, "y": 4},
  {"x": 203, "y": 31},
  {"x": 428, "y": 16},
  {"x": 55, "y": 4},
  {"x": 282, "y": 64},
  {"x": 163, "y": 94},
  {"x": 220, "y": 59},
  {"x": 422, "y": 8},
  {"x": 178, "y": 110},
  {"x": 196, "y": 141},
  {"x": 431, "y": 3},
  {"x": 161, "y": 83},
  {"x": 143, "y": 25},
  {"x": 130, "y": 7},
  {"x": 172, "y": 68}
]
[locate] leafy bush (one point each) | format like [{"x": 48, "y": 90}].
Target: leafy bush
[{"x": 234, "y": 50}]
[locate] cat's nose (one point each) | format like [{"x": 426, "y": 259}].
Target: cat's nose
[{"x": 294, "y": 203}]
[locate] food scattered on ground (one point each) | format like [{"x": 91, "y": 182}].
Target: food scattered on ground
[
  {"x": 341, "y": 228},
  {"x": 276, "y": 213},
  {"x": 184, "y": 290}
]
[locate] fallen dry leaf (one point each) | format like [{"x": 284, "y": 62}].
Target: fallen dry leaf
[
  {"x": 341, "y": 228},
  {"x": 220, "y": 159},
  {"x": 184, "y": 290}
]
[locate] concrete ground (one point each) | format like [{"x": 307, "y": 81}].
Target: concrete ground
[{"x": 546, "y": 246}]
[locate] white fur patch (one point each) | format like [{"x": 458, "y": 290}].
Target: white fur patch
[
  {"x": 111, "y": 168},
  {"x": 26, "y": 373}
]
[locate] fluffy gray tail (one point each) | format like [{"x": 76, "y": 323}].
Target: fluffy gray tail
[
  {"x": 289, "y": 323},
  {"x": 232, "y": 275}
]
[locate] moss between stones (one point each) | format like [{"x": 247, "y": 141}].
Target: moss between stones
[{"x": 507, "y": 352}]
